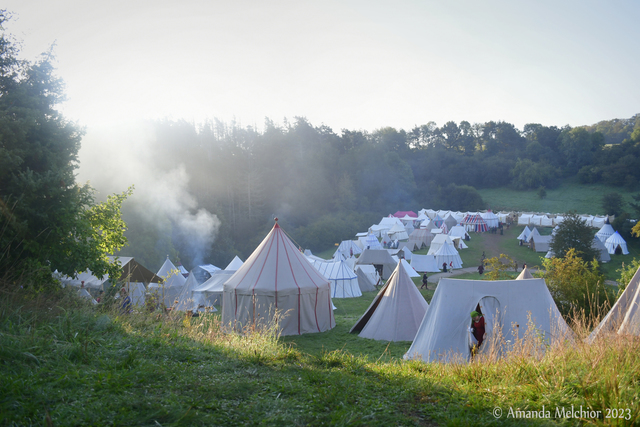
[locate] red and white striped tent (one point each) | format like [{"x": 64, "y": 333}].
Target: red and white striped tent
[
  {"x": 278, "y": 279},
  {"x": 475, "y": 222}
]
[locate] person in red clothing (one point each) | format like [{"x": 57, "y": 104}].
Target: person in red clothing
[{"x": 478, "y": 330}]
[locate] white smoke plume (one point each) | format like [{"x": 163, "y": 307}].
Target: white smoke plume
[{"x": 113, "y": 159}]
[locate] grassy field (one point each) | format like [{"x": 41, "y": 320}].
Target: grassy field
[
  {"x": 585, "y": 199},
  {"x": 64, "y": 363}
]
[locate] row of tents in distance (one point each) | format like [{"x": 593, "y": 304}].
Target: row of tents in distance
[{"x": 279, "y": 281}]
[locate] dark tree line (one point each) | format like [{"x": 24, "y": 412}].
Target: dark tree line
[{"x": 326, "y": 186}]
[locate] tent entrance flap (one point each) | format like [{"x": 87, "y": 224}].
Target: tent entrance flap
[{"x": 490, "y": 308}]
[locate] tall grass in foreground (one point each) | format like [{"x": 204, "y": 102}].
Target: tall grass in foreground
[{"x": 66, "y": 363}]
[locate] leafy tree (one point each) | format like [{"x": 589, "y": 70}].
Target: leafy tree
[
  {"x": 47, "y": 220},
  {"x": 497, "y": 267},
  {"x": 576, "y": 284},
  {"x": 542, "y": 192},
  {"x": 612, "y": 204},
  {"x": 573, "y": 233}
]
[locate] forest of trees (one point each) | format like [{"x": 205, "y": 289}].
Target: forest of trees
[{"x": 325, "y": 186}]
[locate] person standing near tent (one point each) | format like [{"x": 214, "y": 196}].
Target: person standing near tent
[
  {"x": 481, "y": 269},
  {"x": 126, "y": 301},
  {"x": 425, "y": 284},
  {"x": 444, "y": 267},
  {"x": 478, "y": 331}
]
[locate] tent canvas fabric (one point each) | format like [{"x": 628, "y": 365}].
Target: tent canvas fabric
[
  {"x": 132, "y": 271},
  {"x": 364, "y": 282},
  {"x": 402, "y": 214},
  {"x": 437, "y": 242},
  {"x": 605, "y": 232},
  {"x": 186, "y": 300},
  {"x": 347, "y": 247},
  {"x": 371, "y": 273},
  {"x": 172, "y": 286},
  {"x": 343, "y": 280},
  {"x": 449, "y": 255},
  {"x": 450, "y": 222},
  {"x": 533, "y": 233},
  {"x": 524, "y": 236},
  {"x": 437, "y": 221},
  {"x": 602, "y": 250},
  {"x": 396, "y": 312},
  {"x": 491, "y": 219},
  {"x": 397, "y": 232},
  {"x": 624, "y": 316},
  {"x": 443, "y": 334},
  {"x": 524, "y": 274},
  {"x": 278, "y": 280},
  {"x": 210, "y": 292},
  {"x": 421, "y": 238},
  {"x": 458, "y": 231},
  {"x": 524, "y": 219},
  {"x": 371, "y": 242},
  {"x": 410, "y": 270},
  {"x": 425, "y": 263},
  {"x": 541, "y": 243},
  {"x": 475, "y": 222},
  {"x": 83, "y": 293},
  {"x": 235, "y": 264},
  {"x": 137, "y": 292},
  {"x": 378, "y": 257},
  {"x": 614, "y": 241}
]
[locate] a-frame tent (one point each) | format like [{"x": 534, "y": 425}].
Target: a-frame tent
[
  {"x": 235, "y": 264},
  {"x": 605, "y": 232},
  {"x": 379, "y": 258},
  {"x": 186, "y": 299},
  {"x": 624, "y": 316},
  {"x": 421, "y": 237},
  {"x": 277, "y": 282},
  {"x": 443, "y": 335},
  {"x": 524, "y": 236},
  {"x": 170, "y": 290},
  {"x": 425, "y": 263},
  {"x": 396, "y": 312},
  {"x": 364, "y": 281},
  {"x": 209, "y": 293}
]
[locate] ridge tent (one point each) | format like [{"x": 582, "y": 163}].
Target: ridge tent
[
  {"x": 616, "y": 244},
  {"x": 278, "y": 280},
  {"x": 605, "y": 232},
  {"x": 450, "y": 222},
  {"x": 448, "y": 254},
  {"x": 235, "y": 264},
  {"x": 395, "y": 313},
  {"x": 405, "y": 252},
  {"x": 398, "y": 232},
  {"x": 533, "y": 233},
  {"x": 524, "y": 236},
  {"x": 210, "y": 292},
  {"x": 443, "y": 334},
  {"x": 524, "y": 219},
  {"x": 541, "y": 243},
  {"x": 364, "y": 282},
  {"x": 425, "y": 263},
  {"x": 172, "y": 286},
  {"x": 379, "y": 258},
  {"x": 371, "y": 273},
  {"x": 598, "y": 221},
  {"x": 343, "y": 280},
  {"x": 624, "y": 316}
]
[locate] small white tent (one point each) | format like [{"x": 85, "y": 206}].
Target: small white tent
[
  {"x": 396, "y": 312},
  {"x": 524, "y": 274},
  {"x": 458, "y": 231},
  {"x": 443, "y": 334},
  {"x": 425, "y": 263},
  {"x": 364, "y": 281},
  {"x": 491, "y": 219},
  {"x": 605, "y": 232},
  {"x": 437, "y": 242},
  {"x": 615, "y": 243},
  {"x": 524, "y": 236},
  {"x": 235, "y": 264},
  {"x": 172, "y": 286},
  {"x": 447, "y": 254},
  {"x": 209, "y": 293},
  {"x": 371, "y": 273},
  {"x": 398, "y": 232},
  {"x": 348, "y": 248},
  {"x": 410, "y": 270},
  {"x": 186, "y": 300},
  {"x": 343, "y": 280}
]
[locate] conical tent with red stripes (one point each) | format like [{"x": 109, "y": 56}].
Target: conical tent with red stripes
[
  {"x": 278, "y": 279},
  {"x": 475, "y": 223}
]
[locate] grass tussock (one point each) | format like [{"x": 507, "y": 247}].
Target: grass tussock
[{"x": 65, "y": 362}]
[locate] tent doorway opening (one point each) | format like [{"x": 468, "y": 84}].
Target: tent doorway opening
[{"x": 489, "y": 308}]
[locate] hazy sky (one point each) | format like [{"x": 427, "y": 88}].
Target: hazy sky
[{"x": 347, "y": 64}]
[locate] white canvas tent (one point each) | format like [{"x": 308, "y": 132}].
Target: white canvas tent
[
  {"x": 348, "y": 248},
  {"x": 624, "y": 316},
  {"x": 491, "y": 219},
  {"x": 235, "y": 264},
  {"x": 533, "y": 233},
  {"x": 603, "y": 253},
  {"x": 615, "y": 242},
  {"x": 541, "y": 243},
  {"x": 186, "y": 299},
  {"x": 379, "y": 258},
  {"x": 398, "y": 232},
  {"x": 524, "y": 219},
  {"x": 420, "y": 238},
  {"x": 410, "y": 270},
  {"x": 371, "y": 273},
  {"x": 437, "y": 242},
  {"x": 343, "y": 280},
  {"x": 605, "y": 232},
  {"x": 278, "y": 280},
  {"x": 172, "y": 286},
  {"x": 364, "y": 281},
  {"x": 524, "y": 274},
  {"x": 524, "y": 236},
  {"x": 396, "y": 312},
  {"x": 449, "y": 255},
  {"x": 210, "y": 292},
  {"x": 458, "y": 231},
  {"x": 425, "y": 263},
  {"x": 443, "y": 334}
]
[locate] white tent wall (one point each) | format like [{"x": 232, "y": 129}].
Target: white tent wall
[
  {"x": 371, "y": 273},
  {"x": 425, "y": 263},
  {"x": 210, "y": 292},
  {"x": 343, "y": 280},
  {"x": 443, "y": 334},
  {"x": 447, "y": 254},
  {"x": 186, "y": 300},
  {"x": 614, "y": 242},
  {"x": 524, "y": 219},
  {"x": 410, "y": 270},
  {"x": 364, "y": 282}
]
